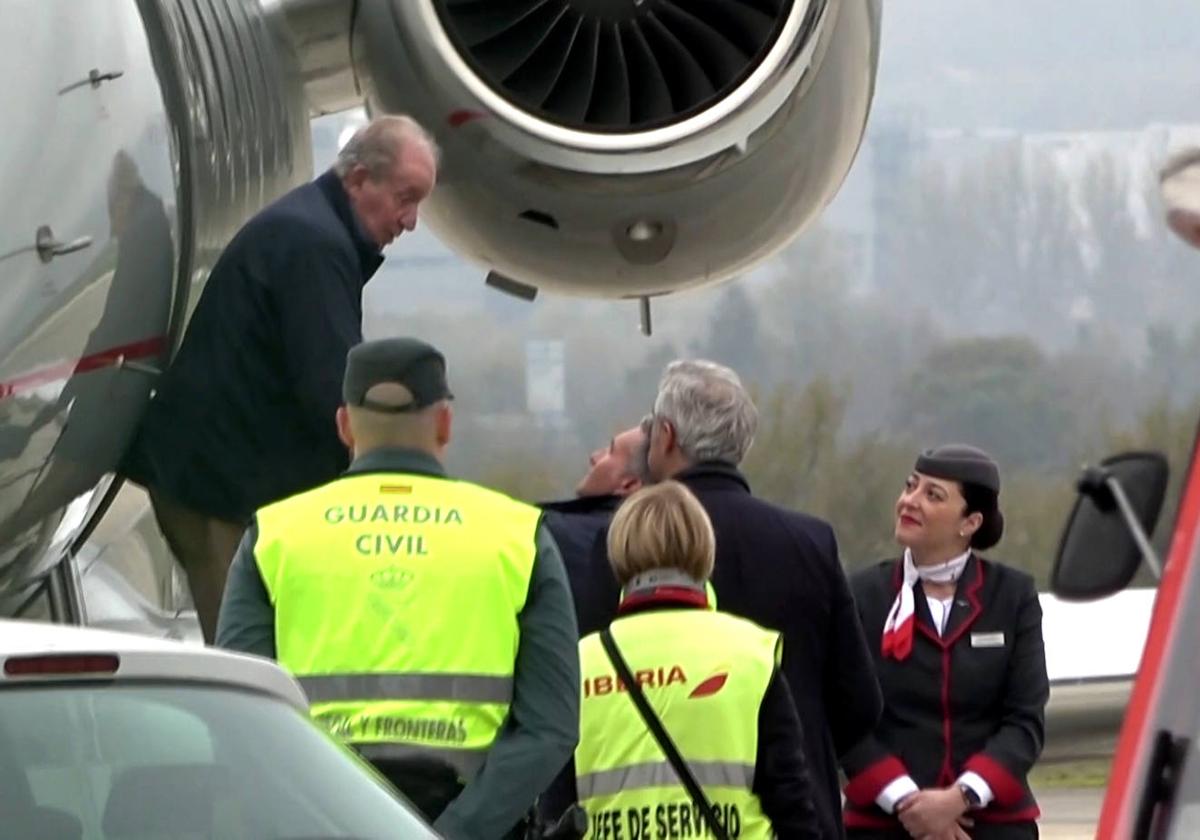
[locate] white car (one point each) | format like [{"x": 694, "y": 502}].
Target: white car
[{"x": 115, "y": 736}]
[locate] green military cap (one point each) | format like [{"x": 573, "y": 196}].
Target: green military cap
[{"x": 395, "y": 375}]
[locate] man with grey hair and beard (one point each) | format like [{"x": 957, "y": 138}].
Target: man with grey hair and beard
[
  {"x": 776, "y": 567},
  {"x": 244, "y": 415}
]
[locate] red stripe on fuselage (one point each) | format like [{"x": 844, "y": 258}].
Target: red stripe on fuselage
[{"x": 60, "y": 371}]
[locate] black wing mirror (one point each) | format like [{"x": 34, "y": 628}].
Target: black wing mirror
[{"x": 1105, "y": 539}]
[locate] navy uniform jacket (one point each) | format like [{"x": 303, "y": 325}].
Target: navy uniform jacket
[
  {"x": 780, "y": 569},
  {"x": 576, "y": 524},
  {"x": 245, "y": 414},
  {"x": 972, "y": 699}
]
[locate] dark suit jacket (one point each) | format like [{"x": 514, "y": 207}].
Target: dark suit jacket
[
  {"x": 780, "y": 568},
  {"x": 576, "y": 524},
  {"x": 972, "y": 699},
  {"x": 245, "y": 414}
]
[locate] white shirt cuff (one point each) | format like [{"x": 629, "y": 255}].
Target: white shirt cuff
[
  {"x": 896, "y": 790},
  {"x": 976, "y": 783}
]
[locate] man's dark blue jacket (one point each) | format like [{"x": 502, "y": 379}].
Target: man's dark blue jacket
[
  {"x": 780, "y": 569},
  {"x": 576, "y": 524},
  {"x": 245, "y": 414}
]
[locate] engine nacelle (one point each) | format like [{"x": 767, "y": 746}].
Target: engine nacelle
[{"x": 622, "y": 148}]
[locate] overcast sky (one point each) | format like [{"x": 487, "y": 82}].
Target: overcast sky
[{"x": 1037, "y": 65}]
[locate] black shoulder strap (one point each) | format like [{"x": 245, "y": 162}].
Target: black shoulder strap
[{"x": 660, "y": 734}]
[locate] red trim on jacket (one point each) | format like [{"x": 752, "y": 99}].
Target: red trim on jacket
[
  {"x": 972, "y": 594},
  {"x": 663, "y": 595},
  {"x": 863, "y": 819},
  {"x": 865, "y": 786},
  {"x": 946, "y": 775},
  {"x": 1006, "y": 787}
]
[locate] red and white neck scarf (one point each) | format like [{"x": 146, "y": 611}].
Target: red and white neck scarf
[{"x": 898, "y": 627}]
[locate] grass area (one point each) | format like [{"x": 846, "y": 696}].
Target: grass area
[{"x": 1088, "y": 773}]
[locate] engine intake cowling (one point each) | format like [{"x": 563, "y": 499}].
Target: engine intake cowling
[
  {"x": 622, "y": 148},
  {"x": 614, "y": 65}
]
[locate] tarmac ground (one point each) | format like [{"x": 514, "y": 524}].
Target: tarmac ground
[{"x": 1069, "y": 813}]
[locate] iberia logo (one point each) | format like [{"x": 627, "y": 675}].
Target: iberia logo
[
  {"x": 662, "y": 677},
  {"x": 710, "y": 686}
]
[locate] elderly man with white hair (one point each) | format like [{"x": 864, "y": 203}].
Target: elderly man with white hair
[
  {"x": 245, "y": 414},
  {"x": 776, "y": 567}
]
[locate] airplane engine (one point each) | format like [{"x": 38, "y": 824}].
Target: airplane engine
[
  {"x": 606, "y": 148},
  {"x": 623, "y": 148}
]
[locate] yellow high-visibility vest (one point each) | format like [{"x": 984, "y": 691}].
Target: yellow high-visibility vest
[
  {"x": 396, "y": 602},
  {"x": 705, "y": 674}
]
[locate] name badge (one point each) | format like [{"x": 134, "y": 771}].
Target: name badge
[{"x": 987, "y": 640}]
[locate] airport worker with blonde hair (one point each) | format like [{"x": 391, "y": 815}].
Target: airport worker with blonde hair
[{"x": 700, "y": 737}]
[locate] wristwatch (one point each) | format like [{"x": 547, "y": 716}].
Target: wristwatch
[{"x": 969, "y": 796}]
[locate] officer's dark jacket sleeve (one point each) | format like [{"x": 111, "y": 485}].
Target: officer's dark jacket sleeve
[
  {"x": 543, "y": 723},
  {"x": 1012, "y": 749},
  {"x": 319, "y": 311},
  {"x": 781, "y": 778},
  {"x": 246, "y": 622},
  {"x": 870, "y": 767}
]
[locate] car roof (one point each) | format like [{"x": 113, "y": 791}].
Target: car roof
[
  {"x": 143, "y": 658},
  {"x": 1096, "y": 640}
]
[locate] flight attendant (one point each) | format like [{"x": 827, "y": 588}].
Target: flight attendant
[{"x": 959, "y": 654}]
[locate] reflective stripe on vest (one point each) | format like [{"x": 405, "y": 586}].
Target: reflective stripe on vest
[
  {"x": 471, "y": 687},
  {"x": 397, "y": 600},
  {"x": 705, "y": 674},
  {"x": 662, "y": 774}
]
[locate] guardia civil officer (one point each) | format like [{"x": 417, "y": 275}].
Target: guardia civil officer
[
  {"x": 428, "y": 619},
  {"x": 958, "y": 649},
  {"x": 712, "y": 678}
]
